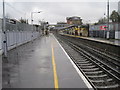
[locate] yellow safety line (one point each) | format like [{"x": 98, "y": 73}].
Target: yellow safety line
[{"x": 54, "y": 70}]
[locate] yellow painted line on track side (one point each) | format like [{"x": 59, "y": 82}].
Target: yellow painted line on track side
[{"x": 56, "y": 86}]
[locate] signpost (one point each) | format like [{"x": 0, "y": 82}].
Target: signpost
[{"x": 104, "y": 27}]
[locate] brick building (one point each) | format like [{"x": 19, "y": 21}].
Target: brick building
[{"x": 74, "y": 20}]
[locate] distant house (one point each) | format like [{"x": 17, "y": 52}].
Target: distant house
[
  {"x": 74, "y": 20},
  {"x": 61, "y": 24}
]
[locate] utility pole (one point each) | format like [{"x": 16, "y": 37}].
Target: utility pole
[
  {"x": 4, "y": 32},
  {"x": 104, "y": 22},
  {"x": 108, "y": 32},
  {"x": 32, "y": 22}
]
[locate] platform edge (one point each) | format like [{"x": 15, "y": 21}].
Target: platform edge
[{"x": 76, "y": 68}]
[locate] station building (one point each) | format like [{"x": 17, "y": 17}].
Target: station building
[{"x": 74, "y": 20}]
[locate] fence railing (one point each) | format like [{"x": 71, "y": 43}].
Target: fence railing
[
  {"x": 100, "y": 31},
  {"x": 0, "y": 42},
  {"x": 18, "y": 34}
]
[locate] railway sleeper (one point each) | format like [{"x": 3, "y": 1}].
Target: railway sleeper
[
  {"x": 100, "y": 77},
  {"x": 83, "y": 62},
  {"x": 91, "y": 69},
  {"x": 87, "y": 64},
  {"x": 87, "y": 67},
  {"x": 94, "y": 74},
  {"x": 97, "y": 76},
  {"x": 99, "y": 81},
  {"x": 97, "y": 72},
  {"x": 107, "y": 86},
  {"x": 104, "y": 82},
  {"x": 79, "y": 60}
]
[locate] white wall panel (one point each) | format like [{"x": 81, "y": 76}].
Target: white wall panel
[
  {"x": 16, "y": 38},
  {"x": 0, "y": 42},
  {"x": 117, "y": 35},
  {"x": 16, "y": 35}
]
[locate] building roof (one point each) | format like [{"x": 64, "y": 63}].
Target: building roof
[{"x": 73, "y": 18}]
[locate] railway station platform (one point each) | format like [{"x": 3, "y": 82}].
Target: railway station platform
[
  {"x": 110, "y": 41},
  {"x": 42, "y": 63}
]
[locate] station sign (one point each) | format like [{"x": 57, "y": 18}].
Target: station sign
[{"x": 104, "y": 27}]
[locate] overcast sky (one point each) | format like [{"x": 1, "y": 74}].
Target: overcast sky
[{"x": 57, "y": 10}]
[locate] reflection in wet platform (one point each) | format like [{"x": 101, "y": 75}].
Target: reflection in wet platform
[
  {"x": 0, "y": 71},
  {"x": 28, "y": 65},
  {"x": 31, "y": 66},
  {"x": 10, "y": 65}
]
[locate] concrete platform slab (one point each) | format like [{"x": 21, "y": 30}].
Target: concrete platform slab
[{"x": 34, "y": 65}]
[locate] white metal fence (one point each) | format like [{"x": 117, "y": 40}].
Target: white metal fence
[
  {"x": 0, "y": 42},
  {"x": 114, "y": 30},
  {"x": 17, "y": 37},
  {"x": 0, "y": 36}
]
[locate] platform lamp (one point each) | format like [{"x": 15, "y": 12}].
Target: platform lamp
[{"x": 32, "y": 20}]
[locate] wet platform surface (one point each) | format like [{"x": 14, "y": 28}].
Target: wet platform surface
[
  {"x": 0, "y": 72},
  {"x": 31, "y": 66}
]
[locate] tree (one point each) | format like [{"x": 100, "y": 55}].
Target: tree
[
  {"x": 115, "y": 17},
  {"x": 23, "y": 21},
  {"x": 101, "y": 21}
]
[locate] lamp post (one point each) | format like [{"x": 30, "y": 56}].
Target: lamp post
[
  {"x": 32, "y": 20},
  {"x": 32, "y": 16},
  {"x": 104, "y": 34},
  {"x": 4, "y": 32},
  {"x": 108, "y": 32}
]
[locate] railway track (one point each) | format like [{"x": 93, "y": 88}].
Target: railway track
[
  {"x": 114, "y": 61},
  {"x": 101, "y": 70}
]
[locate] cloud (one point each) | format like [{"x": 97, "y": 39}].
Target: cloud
[
  {"x": 58, "y": 11},
  {"x": 60, "y": 0}
]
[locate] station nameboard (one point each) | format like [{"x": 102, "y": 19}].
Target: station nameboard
[{"x": 103, "y": 27}]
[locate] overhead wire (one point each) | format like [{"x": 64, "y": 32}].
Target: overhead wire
[{"x": 19, "y": 11}]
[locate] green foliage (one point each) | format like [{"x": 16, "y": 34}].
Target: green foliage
[
  {"x": 101, "y": 21},
  {"x": 115, "y": 17},
  {"x": 23, "y": 21}
]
